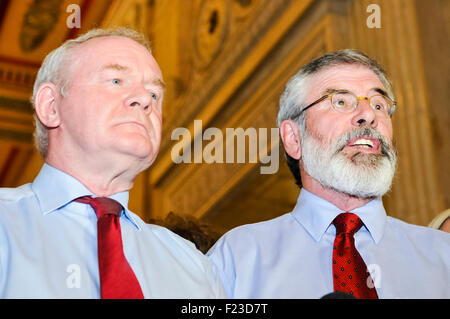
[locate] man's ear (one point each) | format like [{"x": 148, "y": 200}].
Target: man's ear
[
  {"x": 46, "y": 106},
  {"x": 290, "y": 136}
]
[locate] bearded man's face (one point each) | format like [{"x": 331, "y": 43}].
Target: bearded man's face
[{"x": 350, "y": 152}]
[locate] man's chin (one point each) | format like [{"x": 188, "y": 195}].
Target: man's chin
[
  {"x": 141, "y": 150},
  {"x": 363, "y": 176}
]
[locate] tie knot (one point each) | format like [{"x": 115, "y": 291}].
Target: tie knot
[
  {"x": 102, "y": 205},
  {"x": 347, "y": 223}
]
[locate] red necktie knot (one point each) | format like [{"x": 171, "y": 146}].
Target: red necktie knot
[
  {"x": 347, "y": 223},
  {"x": 102, "y": 205}
]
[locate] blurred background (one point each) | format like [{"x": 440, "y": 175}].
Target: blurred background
[{"x": 225, "y": 63}]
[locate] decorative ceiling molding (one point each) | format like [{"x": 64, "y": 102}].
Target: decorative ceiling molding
[
  {"x": 38, "y": 22},
  {"x": 128, "y": 13},
  {"x": 205, "y": 98}
]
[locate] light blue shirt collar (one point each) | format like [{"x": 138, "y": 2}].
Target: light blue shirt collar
[
  {"x": 55, "y": 188},
  {"x": 316, "y": 214}
]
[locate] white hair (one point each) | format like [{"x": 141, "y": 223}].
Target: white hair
[{"x": 53, "y": 70}]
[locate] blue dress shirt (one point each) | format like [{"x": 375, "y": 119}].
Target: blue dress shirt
[
  {"x": 290, "y": 256},
  {"x": 48, "y": 246}
]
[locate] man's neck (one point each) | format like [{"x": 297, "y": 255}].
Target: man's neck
[
  {"x": 102, "y": 178},
  {"x": 341, "y": 200}
]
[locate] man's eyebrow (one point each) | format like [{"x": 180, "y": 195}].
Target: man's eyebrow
[
  {"x": 333, "y": 90},
  {"x": 115, "y": 66},
  {"x": 381, "y": 91},
  {"x": 159, "y": 82},
  {"x": 156, "y": 81},
  {"x": 376, "y": 89}
]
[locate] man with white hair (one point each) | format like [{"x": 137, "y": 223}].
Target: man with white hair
[
  {"x": 69, "y": 233},
  {"x": 335, "y": 125}
]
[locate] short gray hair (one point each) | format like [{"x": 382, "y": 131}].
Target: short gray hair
[
  {"x": 52, "y": 70},
  {"x": 292, "y": 99}
]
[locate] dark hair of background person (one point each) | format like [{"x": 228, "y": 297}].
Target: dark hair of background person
[{"x": 201, "y": 234}]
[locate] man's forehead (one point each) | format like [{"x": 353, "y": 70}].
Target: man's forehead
[
  {"x": 346, "y": 69},
  {"x": 113, "y": 52},
  {"x": 345, "y": 74},
  {"x": 112, "y": 40},
  {"x": 102, "y": 48}
]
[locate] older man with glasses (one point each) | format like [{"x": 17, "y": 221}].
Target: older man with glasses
[{"x": 335, "y": 123}]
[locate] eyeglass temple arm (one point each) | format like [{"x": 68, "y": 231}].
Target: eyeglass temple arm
[{"x": 310, "y": 105}]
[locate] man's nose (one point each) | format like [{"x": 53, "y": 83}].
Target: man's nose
[
  {"x": 365, "y": 114},
  {"x": 140, "y": 98}
]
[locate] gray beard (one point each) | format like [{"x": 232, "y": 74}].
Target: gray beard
[{"x": 363, "y": 176}]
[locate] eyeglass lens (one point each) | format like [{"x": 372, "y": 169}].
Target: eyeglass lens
[{"x": 347, "y": 102}]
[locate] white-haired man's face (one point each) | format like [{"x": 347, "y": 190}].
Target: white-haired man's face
[
  {"x": 352, "y": 152},
  {"x": 106, "y": 129},
  {"x": 114, "y": 100}
]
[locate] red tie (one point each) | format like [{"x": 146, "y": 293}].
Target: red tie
[
  {"x": 349, "y": 270},
  {"x": 117, "y": 279}
]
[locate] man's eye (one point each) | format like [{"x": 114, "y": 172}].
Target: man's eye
[
  {"x": 116, "y": 81},
  {"x": 340, "y": 103},
  {"x": 379, "y": 107},
  {"x": 154, "y": 96}
]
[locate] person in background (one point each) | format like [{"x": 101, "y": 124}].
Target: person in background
[
  {"x": 69, "y": 234},
  {"x": 335, "y": 121},
  {"x": 201, "y": 234},
  {"x": 441, "y": 221}
]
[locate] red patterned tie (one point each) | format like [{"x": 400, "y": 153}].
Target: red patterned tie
[
  {"x": 349, "y": 270},
  {"x": 117, "y": 279}
]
